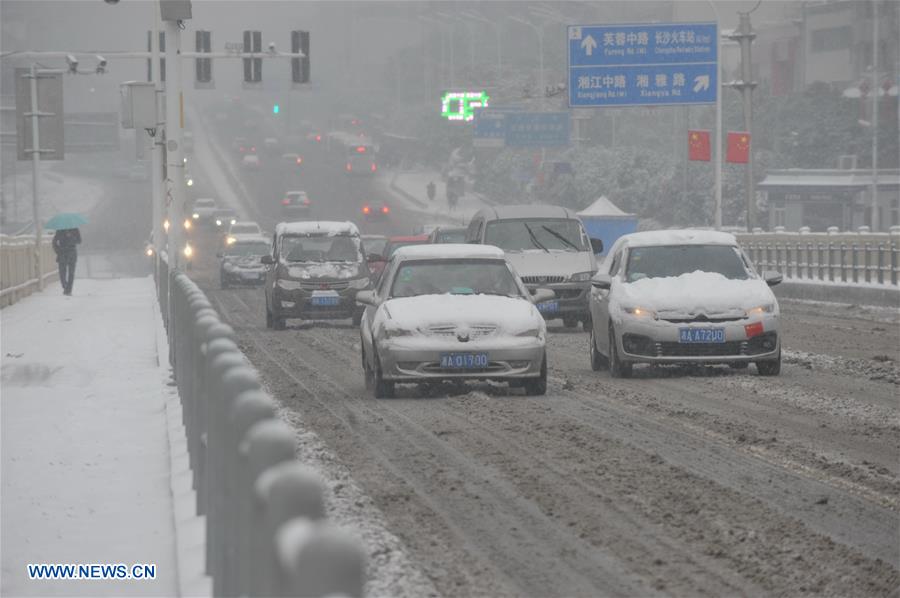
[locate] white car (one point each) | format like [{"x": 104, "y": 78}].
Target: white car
[
  {"x": 204, "y": 210},
  {"x": 683, "y": 296},
  {"x": 250, "y": 162},
  {"x": 240, "y": 229},
  {"x": 452, "y": 311}
]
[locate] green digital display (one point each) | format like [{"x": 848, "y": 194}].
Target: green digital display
[{"x": 460, "y": 105}]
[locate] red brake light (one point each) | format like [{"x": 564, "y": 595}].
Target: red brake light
[
  {"x": 366, "y": 209},
  {"x": 318, "y": 138},
  {"x": 349, "y": 168},
  {"x": 286, "y": 201},
  {"x": 361, "y": 149},
  {"x": 299, "y": 160},
  {"x": 385, "y": 209},
  {"x": 374, "y": 168},
  {"x": 306, "y": 201}
]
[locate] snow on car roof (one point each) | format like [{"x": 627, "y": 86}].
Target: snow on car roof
[
  {"x": 448, "y": 250},
  {"x": 240, "y": 223},
  {"x": 250, "y": 239},
  {"x": 323, "y": 227},
  {"x": 679, "y": 237}
]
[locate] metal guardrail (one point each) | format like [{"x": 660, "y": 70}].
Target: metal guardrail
[
  {"x": 265, "y": 519},
  {"x": 850, "y": 258},
  {"x": 17, "y": 272}
]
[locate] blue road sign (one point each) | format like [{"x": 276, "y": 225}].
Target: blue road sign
[
  {"x": 490, "y": 128},
  {"x": 537, "y": 129},
  {"x": 642, "y": 65}
]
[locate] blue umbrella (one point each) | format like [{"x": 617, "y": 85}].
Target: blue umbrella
[{"x": 66, "y": 220}]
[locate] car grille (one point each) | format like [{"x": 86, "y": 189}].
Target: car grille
[
  {"x": 641, "y": 345},
  {"x": 324, "y": 286},
  {"x": 543, "y": 279},
  {"x": 474, "y": 331},
  {"x": 703, "y": 318}
]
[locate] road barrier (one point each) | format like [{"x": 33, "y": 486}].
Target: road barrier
[
  {"x": 847, "y": 258},
  {"x": 17, "y": 272},
  {"x": 265, "y": 526}
]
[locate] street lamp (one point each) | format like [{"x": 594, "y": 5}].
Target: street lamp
[{"x": 540, "y": 35}]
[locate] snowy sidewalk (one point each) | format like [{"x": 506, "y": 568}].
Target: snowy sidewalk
[
  {"x": 89, "y": 441},
  {"x": 410, "y": 187}
]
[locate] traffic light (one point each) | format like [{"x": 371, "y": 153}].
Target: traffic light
[
  {"x": 276, "y": 109},
  {"x": 300, "y": 66},
  {"x": 252, "y": 66},
  {"x": 203, "y": 66}
]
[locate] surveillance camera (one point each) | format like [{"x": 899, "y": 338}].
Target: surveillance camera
[
  {"x": 101, "y": 65},
  {"x": 271, "y": 47},
  {"x": 73, "y": 63}
]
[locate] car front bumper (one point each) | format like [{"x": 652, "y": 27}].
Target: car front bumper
[
  {"x": 644, "y": 340},
  {"x": 571, "y": 298},
  {"x": 238, "y": 276},
  {"x": 418, "y": 359},
  {"x": 298, "y": 304}
]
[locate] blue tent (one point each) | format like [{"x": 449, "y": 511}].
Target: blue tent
[{"x": 603, "y": 220}]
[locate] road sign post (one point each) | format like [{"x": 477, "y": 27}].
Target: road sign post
[{"x": 642, "y": 65}]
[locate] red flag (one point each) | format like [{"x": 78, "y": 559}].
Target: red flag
[
  {"x": 698, "y": 145},
  {"x": 738, "y": 148}
]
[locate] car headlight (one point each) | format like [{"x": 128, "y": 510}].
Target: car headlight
[
  {"x": 392, "y": 332},
  {"x": 190, "y": 182},
  {"x": 581, "y": 276},
  {"x": 218, "y": 222},
  {"x": 230, "y": 240},
  {"x": 531, "y": 332},
  {"x": 759, "y": 310},
  {"x": 640, "y": 312},
  {"x": 195, "y": 215},
  {"x": 188, "y": 224},
  {"x": 188, "y": 251},
  {"x": 149, "y": 251},
  {"x": 288, "y": 285},
  {"x": 360, "y": 283},
  {"x": 233, "y": 220}
]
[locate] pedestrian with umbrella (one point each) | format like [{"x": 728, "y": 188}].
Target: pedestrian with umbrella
[{"x": 64, "y": 241}]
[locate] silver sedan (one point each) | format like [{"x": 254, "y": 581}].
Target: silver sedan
[{"x": 452, "y": 312}]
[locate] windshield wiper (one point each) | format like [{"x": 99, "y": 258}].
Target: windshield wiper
[
  {"x": 534, "y": 238},
  {"x": 560, "y": 237}
]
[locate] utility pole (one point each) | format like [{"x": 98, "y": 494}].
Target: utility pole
[
  {"x": 35, "y": 175},
  {"x": 156, "y": 175},
  {"x": 745, "y": 36},
  {"x": 174, "y": 151}
]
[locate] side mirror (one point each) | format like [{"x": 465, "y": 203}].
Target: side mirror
[
  {"x": 601, "y": 281},
  {"x": 772, "y": 277},
  {"x": 597, "y": 245},
  {"x": 366, "y": 297},
  {"x": 541, "y": 295},
  {"x": 374, "y": 257},
  {"x": 267, "y": 260}
]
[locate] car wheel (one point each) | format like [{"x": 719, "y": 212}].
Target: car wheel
[
  {"x": 771, "y": 367},
  {"x": 617, "y": 367},
  {"x": 383, "y": 389},
  {"x": 270, "y": 322},
  {"x": 598, "y": 361},
  {"x": 570, "y": 322},
  {"x": 279, "y": 323},
  {"x": 538, "y": 386},
  {"x": 368, "y": 375}
]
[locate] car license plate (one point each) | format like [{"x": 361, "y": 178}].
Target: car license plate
[
  {"x": 326, "y": 300},
  {"x": 701, "y": 335},
  {"x": 250, "y": 275},
  {"x": 464, "y": 360},
  {"x": 548, "y": 307}
]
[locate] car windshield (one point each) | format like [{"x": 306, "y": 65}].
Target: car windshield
[
  {"x": 451, "y": 236},
  {"x": 247, "y": 249},
  {"x": 393, "y": 246},
  {"x": 321, "y": 248},
  {"x": 244, "y": 229},
  {"x": 374, "y": 246},
  {"x": 547, "y": 234},
  {"x": 456, "y": 277},
  {"x": 674, "y": 260}
]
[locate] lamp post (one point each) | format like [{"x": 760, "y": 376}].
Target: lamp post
[
  {"x": 718, "y": 165},
  {"x": 876, "y": 88}
]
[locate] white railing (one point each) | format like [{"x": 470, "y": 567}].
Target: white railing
[{"x": 17, "y": 266}]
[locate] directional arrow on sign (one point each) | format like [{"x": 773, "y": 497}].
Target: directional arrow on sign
[
  {"x": 701, "y": 83},
  {"x": 588, "y": 44}
]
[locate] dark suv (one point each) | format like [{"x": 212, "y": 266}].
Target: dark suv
[{"x": 314, "y": 271}]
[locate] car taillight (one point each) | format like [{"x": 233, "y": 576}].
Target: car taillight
[
  {"x": 306, "y": 201},
  {"x": 318, "y": 138},
  {"x": 299, "y": 160},
  {"x": 349, "y": 168},
  {"x": 385, "y": 209},
  {"x": 374, "y": 168},
  {"x": 286, "y": 201},
  {"x": 366, "y": 209},
  {"x": 243, "y": 149},
  {"x": 253, "y": 149}
]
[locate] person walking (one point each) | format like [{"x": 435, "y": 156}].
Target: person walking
[{"x": 64, "y": 242}]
